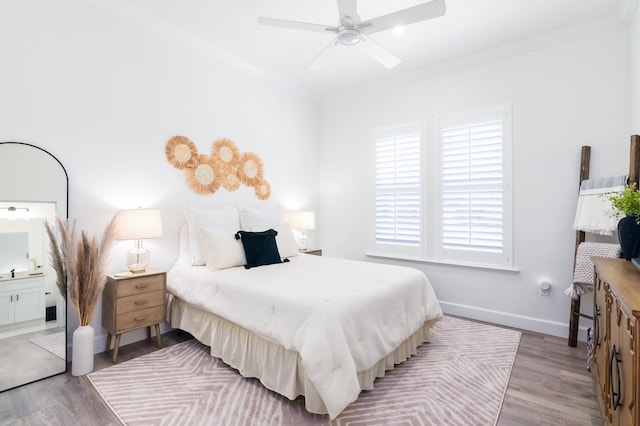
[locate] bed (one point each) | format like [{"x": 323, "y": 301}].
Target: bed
[{"x": 315, "y": 326}]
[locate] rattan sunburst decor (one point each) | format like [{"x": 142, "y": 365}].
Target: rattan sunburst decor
[{"x": 225, "y": 167}]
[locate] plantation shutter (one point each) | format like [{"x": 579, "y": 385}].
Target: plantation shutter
[
  {"x": 398, "y": 186},
  {"x": 472, "y": 187}
]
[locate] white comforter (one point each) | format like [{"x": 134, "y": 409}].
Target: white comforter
[{"x": 341, "y": 316}]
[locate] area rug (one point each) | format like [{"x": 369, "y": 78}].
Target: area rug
[
  {"x": 54, "y": 343},
  {"x": 460, "y": 378}
]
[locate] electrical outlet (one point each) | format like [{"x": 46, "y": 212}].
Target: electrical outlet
[{"x": 545, "y": 288}]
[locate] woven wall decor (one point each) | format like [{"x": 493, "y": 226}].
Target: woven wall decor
[
  {"x": 226, "y": 167},
  {"x": 251, "y": 169},
  {"x": 206, "y": 176},
  {"x": 181, "y": 152},
  {"x": 263, "y": 190},
  {"x": 228, "y": 153}
]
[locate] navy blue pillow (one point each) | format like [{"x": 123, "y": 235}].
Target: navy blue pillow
[{"x": 260, "y": 248}]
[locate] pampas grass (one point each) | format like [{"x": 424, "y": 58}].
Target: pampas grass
[
  {"x": 80, "y": 263},
  {"x": 57, "y": 258}
]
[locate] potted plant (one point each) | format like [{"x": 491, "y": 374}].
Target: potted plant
[
  {"x": 80, "y": 263},
  {"x": 627, "y": 203}
]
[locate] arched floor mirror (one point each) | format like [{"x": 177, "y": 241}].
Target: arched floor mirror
[{"x": 33, "y": 336}]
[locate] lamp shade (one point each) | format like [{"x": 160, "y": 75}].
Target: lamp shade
[
  {"x": 138, "y": 224},
  {"x": 302, "y": 219}
]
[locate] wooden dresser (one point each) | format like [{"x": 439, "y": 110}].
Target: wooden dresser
[
  {"x": 133, "y": 302},
  {"x": 616, "y": 367}
]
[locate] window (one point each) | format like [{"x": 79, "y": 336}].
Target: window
[
  {"x": 467, "y": 195},
  {"x": 474, "y": 198},
  {"x": 398, "y": 190}
]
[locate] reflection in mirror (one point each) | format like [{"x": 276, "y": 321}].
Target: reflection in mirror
[
  {"x": 34, "y": 190},
  {"x": 14, "y": 250}
]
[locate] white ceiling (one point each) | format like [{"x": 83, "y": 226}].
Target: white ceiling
[{"x": 469, "y": 27}]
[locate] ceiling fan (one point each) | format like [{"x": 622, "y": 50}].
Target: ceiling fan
[{"x": 352, "y": 31}]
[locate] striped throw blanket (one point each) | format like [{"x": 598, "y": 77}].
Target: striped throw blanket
[{"x": 583, "y": 271}]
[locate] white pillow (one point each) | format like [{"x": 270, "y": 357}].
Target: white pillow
[
  {"x": 184, "y": 250},
  {"x": 259, "y": 219},
  {"x": 223, "y": 219},
  {"x": 221, "y": 249},
  {"x": 286, "y": 241}
]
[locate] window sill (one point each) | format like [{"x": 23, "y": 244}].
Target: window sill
[{"x": 447, "y": 263}]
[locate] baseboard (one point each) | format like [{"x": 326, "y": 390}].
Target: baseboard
[
  {"x": 538, "y": 325},
  {"x": 129, "y": 337},
  {"x": 100, "y": 339}
]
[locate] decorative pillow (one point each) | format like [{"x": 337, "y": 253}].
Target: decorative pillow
[
  {"x": 259, "y": 219},
  {"x": 260, "y": 248},
  {"x": 222, "y": 219},
  {"x": 221, "y": 249},
  {"x": 286, "y": 241}
]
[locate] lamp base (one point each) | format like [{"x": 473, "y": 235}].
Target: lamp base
[
  {"x": 138, "y": 258},
  {"x": 137, "y": 269},
  {"x": 303, "y": 241}
]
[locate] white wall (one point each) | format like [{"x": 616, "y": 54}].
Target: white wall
[
  {"x": 563, "y": 96},
  {"x": 103, "y": 89}
]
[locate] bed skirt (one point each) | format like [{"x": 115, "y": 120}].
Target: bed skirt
[{"x": 277, "y": 368}]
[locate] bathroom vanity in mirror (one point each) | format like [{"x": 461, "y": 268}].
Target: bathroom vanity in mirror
[
  {"x": 22, "y": 301},
  {"x": 24, "y": 247}
]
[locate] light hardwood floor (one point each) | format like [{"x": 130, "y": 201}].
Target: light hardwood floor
[{"x": 549, "y": 386}]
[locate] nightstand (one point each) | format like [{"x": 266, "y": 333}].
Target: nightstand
[
  {"x": 133, "y": 302},
  {"x": 316, "y": 252}
]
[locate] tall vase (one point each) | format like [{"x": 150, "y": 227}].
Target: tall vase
[
  {"x": 629, "y": 237},
  {"x": 82, "y": 359}
]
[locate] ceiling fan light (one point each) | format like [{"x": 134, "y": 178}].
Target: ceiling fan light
[{"x": 349, "y": 37}]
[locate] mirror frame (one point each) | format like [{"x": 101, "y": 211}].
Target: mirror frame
[
  {"x": 66, "y": 175},
  {"x": 66, "y": 215}
]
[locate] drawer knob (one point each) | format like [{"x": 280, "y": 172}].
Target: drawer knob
[
  {"x": 140, "y": 302},
  {"x": 141, "y": 318},
  {"x": 142, "y": 285}
]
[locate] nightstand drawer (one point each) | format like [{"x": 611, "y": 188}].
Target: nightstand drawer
[
  {"x": 139, "y": 285},
  {"x": 140, "y": 318},
  {"x": 139, "y": 301}
]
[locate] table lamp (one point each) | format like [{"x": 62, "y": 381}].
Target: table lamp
[
  {"x": 138, "y": 224},
  {"x": 303, "y": 220}
]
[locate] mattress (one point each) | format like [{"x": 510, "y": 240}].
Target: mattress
[{"x": 337, "y": 319}]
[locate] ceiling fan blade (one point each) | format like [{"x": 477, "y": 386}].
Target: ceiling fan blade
[
  {"x": 306, "y": 26},
  {"x": 348, "y": 8},
  {"x": 378, "y": 52},
  {"x": 418, "y": 13},
  {"x": 322, "y": 56}
]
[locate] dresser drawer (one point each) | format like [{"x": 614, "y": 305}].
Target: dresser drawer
[
  {"x": 139, "y": 285},
  {"x": 140, "y": 318},
  {"x": 137, "y": 302}
]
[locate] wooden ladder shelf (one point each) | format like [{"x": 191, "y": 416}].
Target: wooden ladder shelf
[{"x": 634, "y": 175}]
